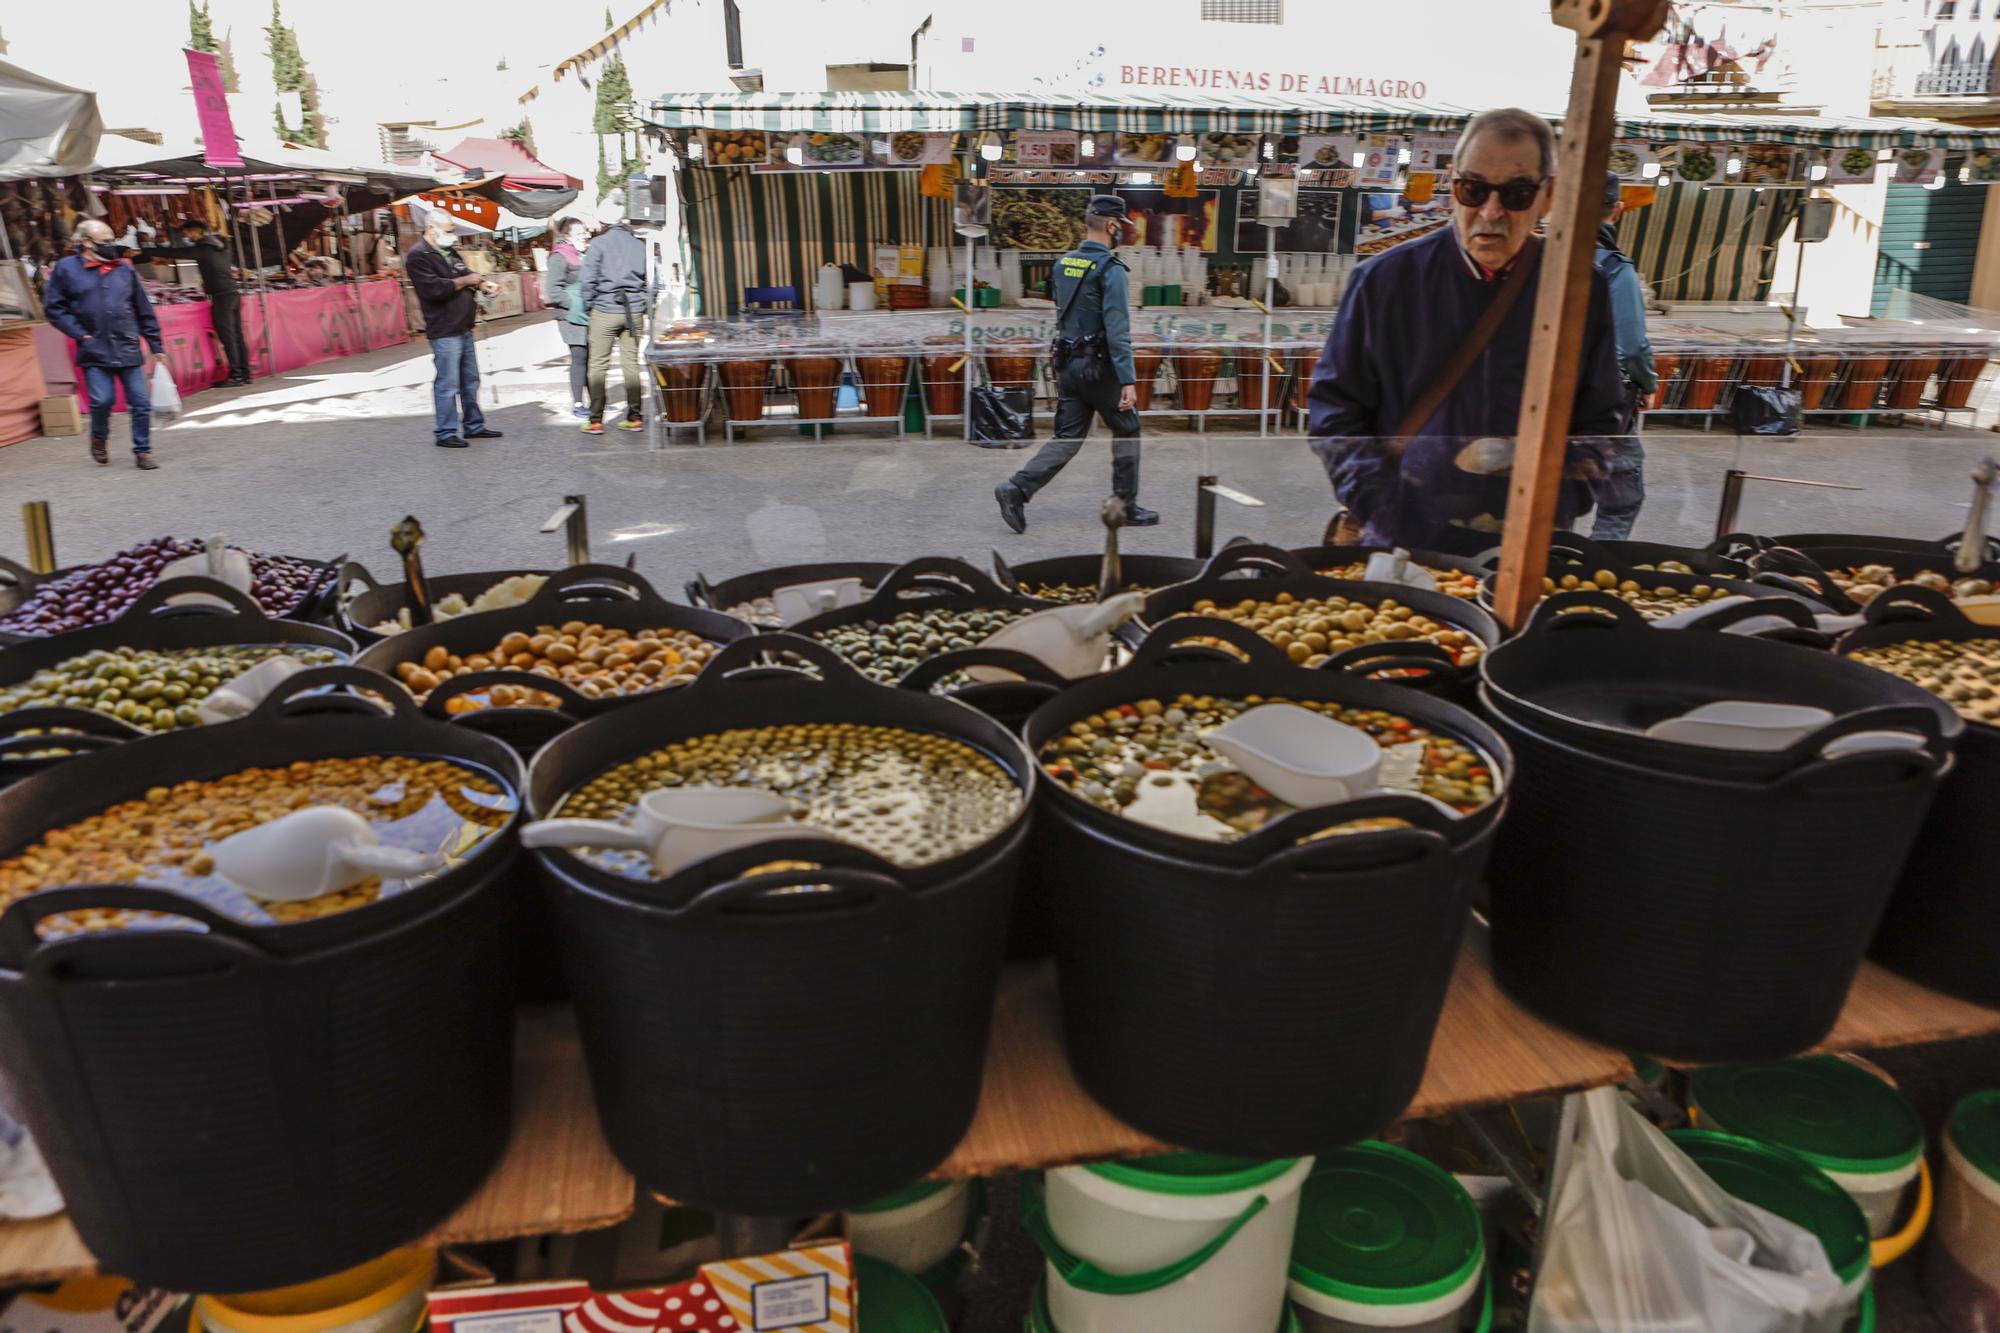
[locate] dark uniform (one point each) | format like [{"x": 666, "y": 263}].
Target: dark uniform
[
  {"x": 1090, "y": 290},
  {"x": 211, "y": 257}
]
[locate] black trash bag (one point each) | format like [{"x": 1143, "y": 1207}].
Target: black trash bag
[
  {"x": 1002, "y": 418},
  {"x": 1761, "y": 410}
]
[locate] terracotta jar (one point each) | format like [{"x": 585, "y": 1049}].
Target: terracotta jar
[
  {"x": 1706, "y": 378},
  {"x": 743, "y": 384},
  {"x": 883, "y": 379},
  {"x": 1961, "y": 375},
  {"x": 1666, "y": 365},
  {"x": 1815, "y": 378},
  {"x": 1303, "y": 364},
  {"x": 1864, "y": 378},
  {"x": 1011, "y": 365},
  {"x": 1911, "y": 376},
  {"x": 817, "y": 380},
  {"x": 1195, "y": 368},
  {"x": 944, "y": 386},
  {"x": 1763, "y": 370},
  {"x": 680, "y": 388},
  {"x": 1146, "y": 367},
  {"x": 1250, "y": 382}
]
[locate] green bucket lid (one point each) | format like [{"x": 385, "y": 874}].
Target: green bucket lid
[
  {"x": 903, "y": 1198},
  {"x": 1381, "y": 1226},
  {"x": 1974, "y": 1129},
  {"x": 1190, "y": 1173},
  {"x": 888, "y": 1300},
  {"x": 1836, "y": 1115},
  {"x": 1038, "y": 1320},
  {"x": 1783, "y": 1182}
]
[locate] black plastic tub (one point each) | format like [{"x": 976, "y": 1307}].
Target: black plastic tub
[
  {"x": 33, "y": 739},
  {"x": 1652, "y": 578},
  {"x": 1789, "y": 566},
  {"x": 1943, "y": 925},
  {"x": 315, "y": 604},
  {"x": 1265, "y": 997},
  {"x": 926, "y": 579},
  {"x": 731, "y": 593},
  {"x": 242, "y": 1106},
  {"x": 1145, "y": 573},
  {"x": 781, "y": 1043},
  {"x": 378, "y": 603},
  {"x": 1743, "y": 545},
  {"x": 605, "y": 594},
  {"x": 1575, "y": 548},
  {"x": 1588, "y": 671},
  {"x": 18, "y": 582},
  {"x": 1319, "y": 559}
]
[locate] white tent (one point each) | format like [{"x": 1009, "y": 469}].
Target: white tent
[{"x": 46, "y": 128}]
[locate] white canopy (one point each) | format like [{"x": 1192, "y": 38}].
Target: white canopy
[{"x": 46, "y": 128}]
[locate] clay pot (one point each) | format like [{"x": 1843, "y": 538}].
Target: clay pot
[
  {"x": 1250, "y": 381},
  {"x": 1864, "y": 377},
  {"x": 1010, "y": 367},
  {"x": 1146, "y": 368},
  {"x": 1666, "y": 365},
  {"x": 1763, "y": 370},
  {"x": 743, "y": 384},
  {"x": 1705, "y": 381},
  {"x": 1961, "y": 374},
  {"x": 1303, "y": 365},
  {"x": 680, "y": 388},
  {"x": 1815, "y": 377},
  {"x": 817, "y": 380},
  {"x": 1195, "y": 369},
  {"x": 944, "y": 387},
  {"x": 1912, "y": 376},
  {"x": 883, "y": 379}
]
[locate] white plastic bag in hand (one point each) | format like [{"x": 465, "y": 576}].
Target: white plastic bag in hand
[
  {"x": 1638, "y": 1239},
  {"x": 165, "y": 393}
]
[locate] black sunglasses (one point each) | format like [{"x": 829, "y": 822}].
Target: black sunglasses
[{"x": 1514, "y": 195}]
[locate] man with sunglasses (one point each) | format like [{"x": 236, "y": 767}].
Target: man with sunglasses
[{"x": 1428, "y": 355}]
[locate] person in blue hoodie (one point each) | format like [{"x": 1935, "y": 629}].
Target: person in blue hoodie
[
  {"x": 1404, "y": 316},
  {"x": 95, "y": 299},
  {"x": 1623, "y": 490}
]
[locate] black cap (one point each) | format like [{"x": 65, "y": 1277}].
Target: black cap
[
  {"x": 1612, "y": 188},
  {"x": 1106, "y": 206}
]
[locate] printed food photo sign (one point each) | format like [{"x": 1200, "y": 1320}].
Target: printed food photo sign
[
  {"x": 1628, "y": 159},
  {"x": 1228, "y": 150},
  {"x": 1918, "y": 165},
  {"x": 1326, "y": 152},
  {"x": 909, "y": 148},
  {"x": 1045, "y": 148},
  {"x": 1766, "y": 164},
  {"x": 825, "y": 150},
  {"x": 1143, "y": 150},
  {"x": 1381, "y": 161},
  {"x": 1432, "y": 153},
  {"x": 1844, "y": 166},
  {"x": 1700, "y": 163},
  {"x": 1982, "y": 167},
  {"x": 734, "y": 148}
]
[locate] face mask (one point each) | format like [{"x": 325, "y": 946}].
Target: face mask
[
  {"x": 107, "y": 250},
  {"x": 446, "y": 241}
]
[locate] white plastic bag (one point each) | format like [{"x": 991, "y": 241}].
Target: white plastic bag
[
  {"x": 166, "y": 394},
  {"x": 1638, "y": 1239}
]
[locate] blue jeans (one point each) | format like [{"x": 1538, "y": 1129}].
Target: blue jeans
[
  {"x": 101, "y": 383},
  {"x": 1623, "y": 490},
  {"x": 456, "y": 386}
]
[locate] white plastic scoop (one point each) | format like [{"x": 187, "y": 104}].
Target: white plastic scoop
[
  {"x": 1739, "y": 724},
  {"x": 1395, "y": 567},
  {"x": 216, "y": 562},
  {"x": 1301, "y": 757},
  {"x": 309, "y": 852},
  {"x": 1072, "y": 640},
  {"x": 676, "y": 825},
  {"x": 240, "y": 694},
  {"x": 802, "y": 601}
]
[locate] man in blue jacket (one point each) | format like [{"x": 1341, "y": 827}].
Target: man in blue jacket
[
  {"x": 96, "y": 300},
  {"x": 1441, "y": 483}
]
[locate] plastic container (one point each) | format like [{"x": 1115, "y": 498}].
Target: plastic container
[
  {"x": 1251, "y": 381},
  {"x": 1960, "y": 375},
  {"x": 1911, "y": 377},
  {"x": 1385, "y": 1240},
  {"x": 1038, "y": 1321},
  {"x": 681, "y": 385},
  {"x": 249, "y": 1106},
  {"x": 1190, "y": 1242},
  {"x": 1010, "y": 365},
  {"x": 744, "y": 381},
  {"x": 883, "y": 379},
  {"x": 1815, "y": 378},
  {"x": 744, "y": 588},
  {"x": 1782, "y": 1182},
  {"x": 943, "y": 372},
  {"x": 1706, "y": 377},
  {"x": 1838, "y": 1116},
  {"x": 817, "y": 380},
  {"x": 1195, "y": 369},
  {"x": 364, "y": 602},
  {"x": 1863, "y": 381},
  {"x": 384, "y": 1295},
  {"x": 1962, "y": 1265},
  {"x": 914, "y": 1229},
  {"x": 888, "y": 1300},
  {"x": 1303, "y": 365},
  {"x": 1665, "y": 366},
  {"x": 1146, "y": 358}
]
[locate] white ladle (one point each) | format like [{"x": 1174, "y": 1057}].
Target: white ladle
[
  {"x": 1740, "y": 724},
  {"x": 310, "y": 852},
  {"x": 1301, "y": 757},
  {"x": 676, "y": 825},
  {"x": 240, "y": 694},
  {"x": 1072, "y": 640},
  {"x": 802, "y": 601},
  {"x": 217, "y": 561},
  {"x": 1395, "y": 567}
]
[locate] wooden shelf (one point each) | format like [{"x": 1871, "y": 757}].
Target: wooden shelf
[{"x": 559, "y": 1176}]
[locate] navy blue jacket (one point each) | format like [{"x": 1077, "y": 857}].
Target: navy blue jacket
[
  {"x": 104, "y": 311},
  {"x": 1403, "y": 316}
]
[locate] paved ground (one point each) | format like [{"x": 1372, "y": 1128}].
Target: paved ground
[{"x": 325, "y": 460}]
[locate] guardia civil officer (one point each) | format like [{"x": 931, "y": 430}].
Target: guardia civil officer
[{"x": 1092, "y": 357}]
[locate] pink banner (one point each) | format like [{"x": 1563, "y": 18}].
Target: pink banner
[
  {"x": 211, "y": 106},
  {"x": 307, "y": 326},
  {"x": 531, "y": 291}
]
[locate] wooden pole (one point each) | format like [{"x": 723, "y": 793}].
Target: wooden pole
[{"x": 1562, "y": 301}]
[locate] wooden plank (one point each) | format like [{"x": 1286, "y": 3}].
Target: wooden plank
[
  {"x": 45, "y": 1250},
  {"x": 1033, "y": 1114},
  {"x": 1884, "y": 1009},
  {"x": 1562, "y": 304}
]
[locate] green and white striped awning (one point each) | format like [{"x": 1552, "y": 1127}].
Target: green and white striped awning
[{"x": 1245, "y": 113}]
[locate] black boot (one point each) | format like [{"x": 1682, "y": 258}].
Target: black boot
[
  {"x": 1137, "y": 517},
  {"x": 1013, "y": 505}
]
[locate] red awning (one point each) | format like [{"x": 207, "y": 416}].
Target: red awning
[{"x": 508, "y": 160}]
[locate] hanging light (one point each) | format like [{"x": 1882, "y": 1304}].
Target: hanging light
[
  {"x": 1734, "y": 165},
  {"x": 1141, "y": 178},
  {"x": 989, "y": 148},
  {"x": 795, "y": 155},
  {"x": 1935, "y": 183},
  {"x": 1183, "y": 150},
  {"x": 1270, "y": 151},
  {"x": 1650, "y": 171},
  {"x": 1087, "y": 149},
  {"x": 1360, "y": 159},
  {"x": 697, "y": 149},
  {"x": 1403, "y": 157},
  {"x": 1965, "y": 175},
  {"x": 1249, "y": 169},
  {"x": 1886, "y": 155},
  {"x": 1817, "y": 171}
]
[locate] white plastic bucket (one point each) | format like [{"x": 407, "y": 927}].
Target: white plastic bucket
[
  {"x": 1189, "y": 1242},
  {"x": 1962, "y": 1267},
  {"x": 914, "y": 1229}
]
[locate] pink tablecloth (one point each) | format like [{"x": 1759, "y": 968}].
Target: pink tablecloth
[{"x": 306, "y": 326}]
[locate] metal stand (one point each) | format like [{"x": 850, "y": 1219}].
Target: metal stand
[
  {"x": 699, "y": 425},
  {"x": 41, "y": 535},
  {"x": 1204, "y": 517},
  {"x": 574, "y": 519},
  {"x": 1732, "y": 494}
]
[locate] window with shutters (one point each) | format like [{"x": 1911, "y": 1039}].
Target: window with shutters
[{"x": 1243, "y": 11}]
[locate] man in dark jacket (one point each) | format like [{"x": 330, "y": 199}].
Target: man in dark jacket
[
  {"x": 1405, "y": 314},
  {"x": 616, "y": 295},
  {"x": 211, "y": 257},
  {"x": 96, "y": 300},
  {"x": 444, "y": 288}
]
